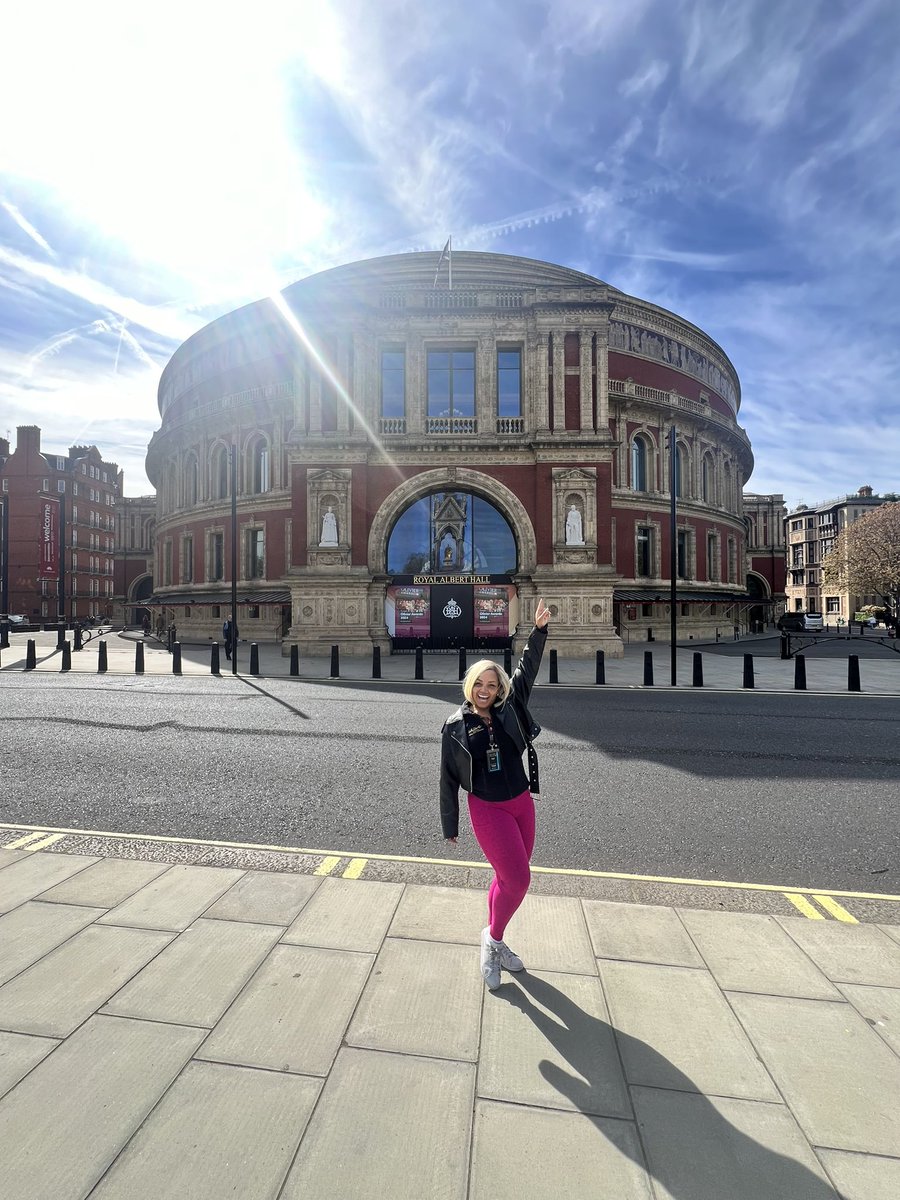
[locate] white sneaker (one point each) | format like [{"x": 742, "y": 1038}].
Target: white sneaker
[
  {"x": 508, "y": 960},
  {"x": 490, "y": 960}
]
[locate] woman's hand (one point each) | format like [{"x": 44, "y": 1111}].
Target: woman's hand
[{"x": 541, "y": 614}]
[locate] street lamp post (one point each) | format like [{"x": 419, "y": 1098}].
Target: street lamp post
[
  {"x": 673, "y": 556},
  {"x": 234, "y": 558}
]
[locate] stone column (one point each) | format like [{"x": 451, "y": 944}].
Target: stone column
[
  {"x": 485, "y": 403},
  {"x": 315, "y": 399},
  {"x": 603, "y": 379},
  {"x": 343, "y": 374},
  {"x": 587, "y": 415},
  {"x": 539, "y": 391},
  {"x": 559, "y": 381},
  {"x": 301, "y": 383},
  {"x": 416, "y": 384}
]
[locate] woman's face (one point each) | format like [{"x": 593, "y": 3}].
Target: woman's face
[{"x": 485, "y": 689}]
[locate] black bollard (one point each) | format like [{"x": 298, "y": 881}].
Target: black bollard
[
  {"x": 176, "y": 658},
  {"x": 853, "y": 683},
  {"x": 214, "y": 668},
  {"x": 785, "y": 645},
  {"x": 335, "y": 662},
  {"x": 60, "y": 636},
  {"x": 601, "y": 668},
  {"x": 4, "y": 635},
  {"x": 554, "y": 667},
  {"x": 295, "y": 660},
  {"x": 254, "y": 658},
  {"x": 697, "y": 680},
  {"x": 748, "y": 671},
  {"x": 102, "y": 664},
  {"x": 376, "y": 662},
  {"x": 78, "y": 641},
  {"x": 800, "y": 673},
  {"x": 507, "y": 660},
  {"x": 650, "y": 637},
  {"x": 420, "y": 663},
  {"x": 139, "y": 658},
  {"x": 462, "y": 662},
  {"x": 66, "y": 664},
  {"x": 648, "y": 668},
  {"x": 30, "y": 654}
]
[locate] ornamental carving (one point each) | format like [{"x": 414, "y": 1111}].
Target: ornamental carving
[{"x": 636, "y": 340}]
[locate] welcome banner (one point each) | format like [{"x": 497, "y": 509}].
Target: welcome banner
[{"x": 49, "y": 535}]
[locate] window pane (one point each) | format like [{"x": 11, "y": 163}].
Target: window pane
[
  {"x": 393, "y": 370},
  {"x": 463, "y": 393},
  {"x": 451, "y": 532},
  {"x": 409, "y": 546},
  {"x": 509, "y": 383},
  {"x": 438, "y": 393}
]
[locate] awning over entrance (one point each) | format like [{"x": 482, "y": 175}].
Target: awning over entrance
[
  {"x": 269, "y": 597},
  {"x": 662, "y": 596}
]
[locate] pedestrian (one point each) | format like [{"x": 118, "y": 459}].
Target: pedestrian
[
  {"x": 230, "y": 634},
  {"x": 481, "y": 752}
]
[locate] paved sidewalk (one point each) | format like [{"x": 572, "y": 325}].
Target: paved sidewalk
[
  {"x": 722, "y": 664},
  {"x": 170, "y": 1031}
]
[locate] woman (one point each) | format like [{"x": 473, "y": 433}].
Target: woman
[{"x": 481, "y": 752}]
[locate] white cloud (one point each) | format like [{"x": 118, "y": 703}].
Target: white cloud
[{"x": 645, "y": 81}]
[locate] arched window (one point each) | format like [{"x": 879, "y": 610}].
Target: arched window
[
  {"x": 192, "y": 481},
  {"x": 259, "y": 466},
  {"x": 451, "y": 532},
  {"x": 680, "y": 471},
  {"x": 708, "y": 480},
  {"x": 171, "y": 488},
  {"x": 640, "y": 459},
  {"x": 220, "y": 489}
]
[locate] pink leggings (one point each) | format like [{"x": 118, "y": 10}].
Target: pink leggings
[{"x": 504, "y": 829}]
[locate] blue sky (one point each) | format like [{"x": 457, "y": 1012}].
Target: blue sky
[{"x": 736, "y": 161}]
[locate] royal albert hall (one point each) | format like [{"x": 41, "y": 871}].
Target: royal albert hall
[{"x": 419, "y": 458}]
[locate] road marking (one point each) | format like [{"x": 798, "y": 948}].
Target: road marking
[
  {"x": 355, "y": 868},
  {"x": 327, "y": 865},
  {"x": 837, "y": 910},
  {"x": 44, "y": 842},
  {"x": 21, "y": 842},
  {"x": 575, "y": 872},
  {"x": 803, "y": 906}
]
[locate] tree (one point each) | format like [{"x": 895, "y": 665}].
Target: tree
[{"x": 865, "y": 558}]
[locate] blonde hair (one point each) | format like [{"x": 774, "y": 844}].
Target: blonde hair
[{"x": 478, "y": 669}]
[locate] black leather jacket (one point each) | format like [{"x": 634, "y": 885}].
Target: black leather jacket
[{"x": 456, "y": 760}]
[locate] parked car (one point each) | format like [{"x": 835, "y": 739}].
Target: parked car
[
  {"x": 813, "y": 620},
  {"x": 15, "y": 619},
  {"x": 791, "y": 622}
]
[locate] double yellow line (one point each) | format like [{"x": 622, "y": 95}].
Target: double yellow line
[
  {"x": 354, "y": 868},
  {"x": 807, "y": 909},
  {"x": 34, "y": 841}
]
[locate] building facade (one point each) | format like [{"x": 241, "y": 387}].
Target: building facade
[
  {"x": 765, "y": 567},
  {"x": 133, "y": 565},
  {"x": 810, "y": 534},
  {"x": 415, "y": 464},
  {"x": 58, "y": 531}
]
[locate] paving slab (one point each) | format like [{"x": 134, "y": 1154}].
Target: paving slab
[
  {"x": 521, "y": 1153},
  {"x": 675, "y": 1030},
  {"x": 880, "y": 1008},
  {"x": 10, "y": 856},
  {"x": 63, "y": 1124},
  {"x": 388, "y": 1125},
  {"x": 54, "y": 996},
  {"x": 749, "y": 952},
  {"x": 893, "y": 931},
  {"x": 708, "y": 1148},
  {"x": 293, "y": 1013},
  {"x": 440, "y": 914},
  {"x": 847, "y": 953},
  {"x": 218, "y": 1131},
  {"x": 347, "y": 914},
  {"x": 105, "y": 884},
  {"x": 549, "y": 933},
  {"x": 546, "y": 1040},
  {"x": 33, "y": 930},
  {"x": 640, "y": 933},
  {"x": 197, "y": 976},
  {"x": 173, "y": 900},
  {"x": 863, "y": 1176},
  {"x": 29, "y": 876},
  {"x": 839, "y": 1078},
  {"x": 18, "y": 1054},
  {"x": 265, "y": 897},
  {"x": 422, "y": 998}
]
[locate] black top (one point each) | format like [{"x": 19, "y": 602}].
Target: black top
[{"x": 511, "y": 779}]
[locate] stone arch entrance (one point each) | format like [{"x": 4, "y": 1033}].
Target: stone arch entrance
[{"x": 452, "y": 548}]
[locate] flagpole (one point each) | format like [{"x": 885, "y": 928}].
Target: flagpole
[{"x": 450, "y": 261}]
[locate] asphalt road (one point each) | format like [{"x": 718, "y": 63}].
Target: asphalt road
[{"x": 797, "y": 790}]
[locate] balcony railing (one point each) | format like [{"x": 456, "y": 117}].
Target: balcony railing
[
  {"x": 393, "y": 424},
  {"x": 451, "y": 425},
  {"x": 510, "y": 424}
]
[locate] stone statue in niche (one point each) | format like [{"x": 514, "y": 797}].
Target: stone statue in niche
[
  {"x": 574, "y": 528},
  {"x": 329, "y": 528}
]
